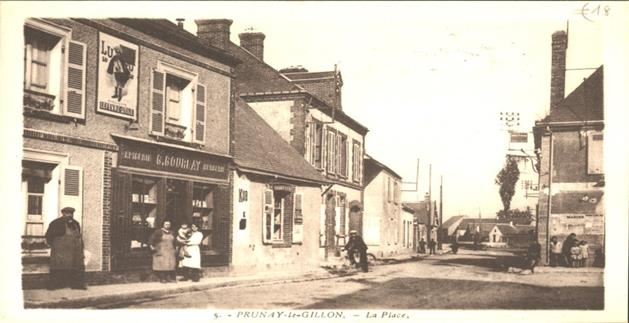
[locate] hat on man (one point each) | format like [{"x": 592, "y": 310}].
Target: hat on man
[{"x": 67, "y": 209}]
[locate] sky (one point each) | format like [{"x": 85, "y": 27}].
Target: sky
[{"x": 428, "y": 79}]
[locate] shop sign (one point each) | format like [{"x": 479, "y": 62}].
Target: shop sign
[
  {"x": 159, "y": 158},
  {"x": 117, "y": 77}
]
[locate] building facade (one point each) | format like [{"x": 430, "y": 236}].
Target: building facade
[
  {"x": 385, "y": 233},
  {"x": 570, "y": 140},
  {"x": 128, "y": 121}
]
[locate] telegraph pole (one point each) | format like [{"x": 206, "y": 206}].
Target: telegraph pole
[
  {"x": 430, "y": 210},
  {"x": 440, "y": 232}
]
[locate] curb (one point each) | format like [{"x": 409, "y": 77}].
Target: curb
[{"x": 126, "y": 296}]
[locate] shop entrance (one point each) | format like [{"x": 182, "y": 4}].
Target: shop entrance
[{"x": 176, "y": 207}]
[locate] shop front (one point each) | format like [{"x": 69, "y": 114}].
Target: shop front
[{"x": 154, "y": 183}]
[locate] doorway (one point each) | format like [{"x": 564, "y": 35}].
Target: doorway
[{"x": 175, "y": 210}]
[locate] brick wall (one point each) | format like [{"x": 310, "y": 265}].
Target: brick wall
[
  {"x": 298, "y": 128},
  {"x": 106, "y": 211}
]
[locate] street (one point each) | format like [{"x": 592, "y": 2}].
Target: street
[{"x": 467, "y": 280}]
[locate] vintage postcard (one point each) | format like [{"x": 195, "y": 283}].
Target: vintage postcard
[{"x": 315, "y": 161}]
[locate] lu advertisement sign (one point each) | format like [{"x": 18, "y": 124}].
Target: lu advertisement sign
[{"x": 117, "y": 77}]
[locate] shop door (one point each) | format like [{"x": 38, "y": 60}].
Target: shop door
[{"x": 177, "y": 206}]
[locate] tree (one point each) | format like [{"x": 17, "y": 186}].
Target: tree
[
  {"x": 507, "y": 178},
  {"x": 516, "y": 216}
]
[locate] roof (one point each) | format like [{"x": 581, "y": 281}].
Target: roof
[
  {"x": 170, "y": 32},
  {"x": 256, "y": 76},
  {"x": 259, "y": 148},
  {"x": 486, "y": 223},
  {"x": 299, "y": 76},
  {"x": 373, "y": 167},
  {"x": 585, "y": 103},
  {"x": 509, "y": 230},
  {"x": 421, "y": 211},
  {"x": 452, "y": 220}
]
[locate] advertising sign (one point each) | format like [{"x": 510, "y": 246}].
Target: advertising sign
[{"x": 117, "y": 77}]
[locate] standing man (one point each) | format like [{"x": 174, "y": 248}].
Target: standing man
[
  {"x": 67, "y": 268},
  {"x": 555, "y": 252},
  {"x": 431, "y": 245},
  {"x": 422, "y": 246}
]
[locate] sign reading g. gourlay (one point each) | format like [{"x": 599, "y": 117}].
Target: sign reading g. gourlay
[{"x": 172, "y": 160}]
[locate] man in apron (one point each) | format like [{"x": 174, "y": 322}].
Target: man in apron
[{"x": 66, "y": 252}]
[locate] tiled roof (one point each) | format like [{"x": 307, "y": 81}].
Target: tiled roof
[
  {"x": 170, "y": 32},
  {"x": 585, "y": 103},
  {"x": 259, "y": 148},
  {"x": 452, "y": 220},
  {"x": 255, "y": 76},
  {"x": 298, "y": 76},
  {"x": 486, "y": 223},
  {"x": 507, "y": 229},
  {"x": 421, "y": 211},
  {"x": 373, "y": 167}
]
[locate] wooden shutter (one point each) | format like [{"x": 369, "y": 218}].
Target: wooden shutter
[
  {"x": 267, "y": 216},
  {"x": 158, "y": 86},
  {"x": 72, "y": 190},
  {"x": 298, "y": 220},
  {"x": 595, "y": 153},
  {"x": 74, "y": 105},
  {"x": 120, "y": 233},
  {"x": 200, "y": 111}
]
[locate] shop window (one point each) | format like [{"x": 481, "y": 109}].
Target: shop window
[
  {"x": 143, "y": 211},
  {"x": 54, "y": 70},
  {"x": 203, "y": 212},
  {"x": 178, "y": 104},
  {"x": 273, "y": 221}
]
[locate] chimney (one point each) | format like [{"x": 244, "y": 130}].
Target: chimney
[
  {"x": 214, "y": 32},
  {"x": 253, "y": 42},
  {"x": 180, "y": 22},
  {"x": 558, "y": 68}
]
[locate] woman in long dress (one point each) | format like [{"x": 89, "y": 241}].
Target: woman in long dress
[
  {"x": 192, "y": 262},
  {"x": 162, "y": 243}
]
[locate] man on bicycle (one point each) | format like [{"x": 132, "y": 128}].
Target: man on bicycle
[{"x": 356, "y": 244}]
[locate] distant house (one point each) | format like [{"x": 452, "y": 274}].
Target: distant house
[
  {"x": 426, "y": 218},
  {"x": 509, "y": 235},
  {"x": 450, "y": 226},
  {"x": 472, "y": 227},
  {"x": 409, "y": 233}
]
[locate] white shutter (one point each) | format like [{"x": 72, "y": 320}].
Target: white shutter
[
  {"x": 298, "y": 220},
  {"x": 267, "y": 216},
  {"x": 158, "y": 89},
  {"x": 199, "y": 115},
  {"x": 74, "y": 105},
  {"x": 308, "y": 153},
  {"x": 72, "y": 190},
  {"x": 595, "y": 153}
]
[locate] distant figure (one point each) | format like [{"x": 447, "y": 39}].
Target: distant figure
[
  {"x": 575, "y": 255},
  {"x": 476, "y": 242},
  {"x": 422, "y": 246},
  {"x": 566, "y": 247},
  {"x": 533, "y": 255},
  {"x": 66, "y": 252},
  {"x": 454, "y": 246},
  {"x": 599, "y": 259},
  {"x": 356, "y": 244},
  {"x": 192, "y": 262},
  {"x": 584, "y": 253},
  {"x": 555, "y": 252},
  {"x": 431, "y": 245}
]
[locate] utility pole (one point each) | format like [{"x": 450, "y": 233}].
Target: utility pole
[
  {"x": 440, "y": 232},
  {"x": 430, "y": 210}
]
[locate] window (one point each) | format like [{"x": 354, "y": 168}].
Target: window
[
  {"x": 315, "y": 132},
  {"x": 298, "y": 219},
  {"x": 331, "y": 149},
  {"x": 342, "y": 155},
  {"x": 388, "y": 179},
  {"x": 54, "y": 70},
  {"x": 357, "y": 158},
  {"x": 273, "y": 221},
  {"x": 595, "y": 152},
  {"x": 396, "y": 195},
  {"x": 178, "y": 104}
]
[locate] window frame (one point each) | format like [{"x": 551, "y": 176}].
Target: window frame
[{"x": 187, "y": 110}]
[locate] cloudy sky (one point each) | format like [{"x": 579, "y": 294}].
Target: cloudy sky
[{"x": 428, "y": 79}]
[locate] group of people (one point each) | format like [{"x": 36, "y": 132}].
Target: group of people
[
  {"x": 432, "y": 245},
  {"x": 172, "y": 251},
  {"x": 570, "y": 253}
]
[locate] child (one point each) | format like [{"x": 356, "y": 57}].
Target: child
[
  {"x": 575, "y": 255},
  {"x": 182, "y": 239},
  {"x": 584, "y": 253}
]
